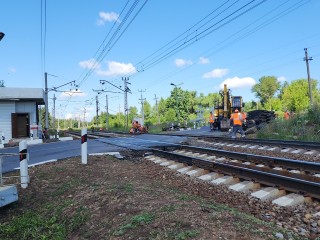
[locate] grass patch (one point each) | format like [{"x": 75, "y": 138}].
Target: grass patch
[
  {"x": 169, "y": 208},
  {"x": 135, "y": 221},
  {"x": 32, "y": 225},
  {"x": 175, "y": 235}
]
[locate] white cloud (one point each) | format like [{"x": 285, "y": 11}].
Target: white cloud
[
  {"x": 90, "y": 64},
  {"x": 216, "y": 73},
  {"x": 203, "y": 60},
  {"x": 236, "y": 82},
  {"x": 68, "y": 116},
  {"x": 12, "y": 70},
  {"x": 73, "y": 93},
  {"x": 116, "y": 69},
  {"x": 281, "y": 79},
  {"x": 181, "y": 62},
  {"x": 107, "y": 17}
]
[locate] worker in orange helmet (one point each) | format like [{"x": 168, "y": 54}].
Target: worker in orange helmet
[
  {"x": 211, "y": 121},
  {"x": 286, "y": 115},
  {"x": 237, "y": 119}
]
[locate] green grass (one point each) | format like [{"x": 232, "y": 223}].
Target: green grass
[
  {"x": 134, "y": 222},
  {"x": 302, "y": 126},
  {"x": 32, "y": 225}
]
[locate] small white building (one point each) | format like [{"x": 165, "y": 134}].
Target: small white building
[{"x": 19, "y": 111}]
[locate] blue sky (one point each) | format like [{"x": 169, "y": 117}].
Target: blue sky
[{"x": 199, "y": 43}]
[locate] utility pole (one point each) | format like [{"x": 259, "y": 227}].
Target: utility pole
[
  {"x": 84, "y": 116},
  {"x": 54, "y": 111},
  {"x": 97, "y": 110},
  {"x": 107, "y": 113},
  {"x": 155, "y": 98},
  {"x": 46, "y": 99},
  {"x": 126, "y": 90},
  {"x": 79, "y": 121},
  {"x": 142, "y": 103},
  {"x": 307, "y": 59}
]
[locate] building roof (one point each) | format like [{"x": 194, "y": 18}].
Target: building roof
[{"x": 22, "y": 94}]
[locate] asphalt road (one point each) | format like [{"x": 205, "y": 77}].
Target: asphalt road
[{"x": 60, "y": 150}]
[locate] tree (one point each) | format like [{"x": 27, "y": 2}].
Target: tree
[
  {"x": 1, "y": 83},
  {"x": 266, "y": 89},
  {"x": 295, "y": 96}
]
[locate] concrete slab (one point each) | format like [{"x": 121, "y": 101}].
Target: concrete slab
[
  {"x": 268, "y": 193},
  {"x": 220, "y": 159},
  {"x": 235, "y": 161},
  {"x": 273, "y": 149},
  {"x": 246, "y": 163},
  {"x": 298, "y": 151},
  {"x": 151, "y": 157},
  {"x": 203, "y": 155},
  {"x": 176, "y": 166},
  {"x": 246, "y": 145},
  {"x": 244, "y": 186},
  {"x": 253, "y": 146},
  {"x": 167, "y": 163},
  {"x": 317, "y": 175},
  {"x": 226, "y": 180},
  {"x": 160, "y": 160},
  {"x": 186, "y": 169},
  {"x": 263, "y": 148},
  {"x": 295, "y": 171},
  {"x": 291, "y": 199},
  {"x": 311, "y": 152},
  {"x": 211, "y": 158},
  {"x": 278, "y": 168},
  {"x": 197, "y": 172},
  {"x": 35, "y": 141},
  {"x": 8, "y": 194},
  {"x": 210, "y": 176},
  {"x": 286, "y": 150},
  {"x": 230, "y": 145},
  {"x": 260, "y": 165}
]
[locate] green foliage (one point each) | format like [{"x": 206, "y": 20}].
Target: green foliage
[
  {"x": 135, "y": 221},
  {"x": 304, "y": 126},
  {"x": 32, "y": 225},
  {"x": 266, "y": 89},
  {"x": 295, "y": 96}
]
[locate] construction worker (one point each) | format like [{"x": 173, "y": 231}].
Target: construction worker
[
  {"x": 286, "y": 115},
  {"x": 211, "y": 121},
  {"x": 237, "y": 119}
]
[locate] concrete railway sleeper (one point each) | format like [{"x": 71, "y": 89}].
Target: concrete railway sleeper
[{"x": 308, "y": 188}]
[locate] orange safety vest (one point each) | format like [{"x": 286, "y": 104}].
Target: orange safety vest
[
  {"x": 211, "y": 119},
  {"x": 237, "y": 118},
  {"x": 286, "y": 115}
]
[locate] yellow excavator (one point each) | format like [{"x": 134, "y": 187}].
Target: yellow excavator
[{"x": 224, "y": 109}]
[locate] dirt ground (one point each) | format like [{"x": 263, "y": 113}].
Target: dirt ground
[{"x": 125, "y": 199}]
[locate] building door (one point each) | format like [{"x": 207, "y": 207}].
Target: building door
[{"x": 20, "y": 125}]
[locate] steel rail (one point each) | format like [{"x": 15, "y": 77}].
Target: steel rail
[
  {"x": 308, "y": 188},
  {"x": 270, "y": 161},
  {"x": 271, "y": 142},
  {"x": 290, "y": 183}
]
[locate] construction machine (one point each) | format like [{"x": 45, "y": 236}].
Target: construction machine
[{"x": 224, "y": 109}]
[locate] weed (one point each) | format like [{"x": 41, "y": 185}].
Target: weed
[
  {"x": 169, "y": 208},
  {"x": 32, "y": 225},
  {"x": 79, "y": 218},
  {"x": 135, "y": 221}
]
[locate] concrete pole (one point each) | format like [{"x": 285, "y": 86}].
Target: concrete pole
[
  {"x": 46, "y": 100},
  {"x": 24, "y": 176},
  {"x": 107, "y": 113},
  {"x": 54, "y": 111},
  {"x": 307, "y": 59},
  {"x": 84, "y": 146}
]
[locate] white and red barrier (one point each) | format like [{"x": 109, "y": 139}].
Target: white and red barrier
[
  {"x": 24, "y": 175},
  {"x": 84, "y": 146}
]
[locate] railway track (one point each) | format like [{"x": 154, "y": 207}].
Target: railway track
[{"x": 250, "y": 172}]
